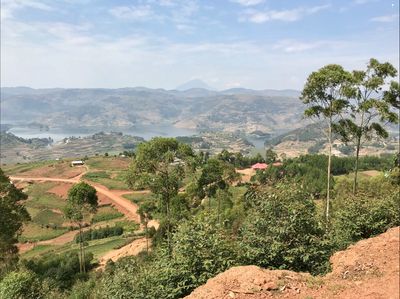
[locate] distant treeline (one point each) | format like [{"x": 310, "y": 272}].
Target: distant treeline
[{"x": 310, "y": 170}]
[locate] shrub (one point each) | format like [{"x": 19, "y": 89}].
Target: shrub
[
  {"x": 282, "y": 232},
  {"x": 21, "y": 284},
  {"x": 62, "y": 270},
  {"x": 100, "y": 233},
  {"x": 200, "y": 250},
  {"x": 370, "y": 212}
]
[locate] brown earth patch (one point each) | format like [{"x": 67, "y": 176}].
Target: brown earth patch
[
  {"x": 246, "y": 174},
  {"x": 57, "y": 169},
  {"x": 133, "y": 248},
  {"x": 367, "y": 269},
  {"x": 61, "y": 189}
]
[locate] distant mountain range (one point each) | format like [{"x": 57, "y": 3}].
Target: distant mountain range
[
  {"x": 236, "y": 110},
  {"x": 195, "y": 83}
]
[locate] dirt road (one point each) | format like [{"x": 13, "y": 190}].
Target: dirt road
[
  {"x": 128, "y": 207},
  {"x": 122, "y": 204}
]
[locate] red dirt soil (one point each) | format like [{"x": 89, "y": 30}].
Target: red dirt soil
[{"x": 367, "y": 269}]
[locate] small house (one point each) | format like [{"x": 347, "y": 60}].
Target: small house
[{"x": 77, "y": 163}]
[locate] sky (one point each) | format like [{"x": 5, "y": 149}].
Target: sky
[{"x": 258, "y": 44}]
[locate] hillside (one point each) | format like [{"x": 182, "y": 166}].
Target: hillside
[
  {"x": 233, "y": 110},
  {"x": 16, "y": 150},
  {"x": 367, "y": 269},
  {"x": 311, "y": 139}
]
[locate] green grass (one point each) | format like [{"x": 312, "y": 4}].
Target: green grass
[
  {"x": 112, "y": 180},
  {"x": 38, "y": 250},
  {"x": 106, "y": 213},
  {"x": 108, "y": 163},
  {"x": 95, "y": 175},
  {"x": 32, "y": 211},
  {"x": 112, "y": 184},
  {"x": 350, "y": 176},
  {"x": 139, "y": 198},
  {"x": 97, "y": 247},
  {"x": 238, "y": 192},
  {"x": 102, "y": 246},
  {"x": 39, "y": 206},
  {"x": 35, "y": 232},
  {"x": 40, "y": 199},
  {"x": 128, "y": 226},
  {"x": 19, "y": 168},
  {"x": 46, "y": 201},
  {"x": 48, "y": 217}
]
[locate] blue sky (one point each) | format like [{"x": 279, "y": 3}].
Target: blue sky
[{"x": 160, "y": 44}]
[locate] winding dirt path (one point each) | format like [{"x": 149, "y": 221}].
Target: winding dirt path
[
  {"x": 122, "y": 204},
  {"x": 129, "y": 207}
]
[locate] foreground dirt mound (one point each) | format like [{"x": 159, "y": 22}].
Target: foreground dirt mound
[{"x": 367, "y": 269}]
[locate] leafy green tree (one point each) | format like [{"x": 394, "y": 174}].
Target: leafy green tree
[
  {"x": 12, "y": 216},
  {"x": 21, "y": 284},
  {"x": 392, "y": 96},
  {"x": 159, "y": 166},
  {"x": 215, "y": 175},
  {"x": 270, "y": 156},
  {"x": 366, "y": 105},
  {"x": 325, "y": 94},
  {"x": 282, "y": 231},
  {"x": 82, "y": 199}
]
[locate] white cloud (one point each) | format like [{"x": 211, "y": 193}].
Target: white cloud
[
  {"x": 8, "y": 7},
  {"x": 135, "y": 13},
  {"x": 385, "y": 19},
  {"x": 289, "y": 15},
  {"x": 248, "y": 2},
  {"x": 361, "y": 2},
  {"x": 294, "y": 46}
]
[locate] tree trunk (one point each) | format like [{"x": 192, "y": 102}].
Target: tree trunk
[
  {"x": 328, "y": 188},
  {"x": 80, "y": 250},
  {"x": 147, "y": 237},
  {"x": 356, "y": 164},
  {"x": 219, "y": 209},
  {"x": 168, "y": 228}
]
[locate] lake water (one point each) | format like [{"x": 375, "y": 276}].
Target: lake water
[{"x": 146, "y": 132}]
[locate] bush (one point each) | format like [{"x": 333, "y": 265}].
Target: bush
[
  {"x": 373, "y": 210},
  {"x": 21, "y": 284},
  {"x": 282, "y": 231},
  {"x": 62, "y": 270},
  {"x": 200, "y": 250}
]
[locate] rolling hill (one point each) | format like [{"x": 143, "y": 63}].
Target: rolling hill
[{"x": 234, "y": 110}]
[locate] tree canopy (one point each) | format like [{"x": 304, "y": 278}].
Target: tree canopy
[{"x": 13, "y": 214}]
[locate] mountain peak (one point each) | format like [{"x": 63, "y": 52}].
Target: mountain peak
[{"x": 195, "y": 83}]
